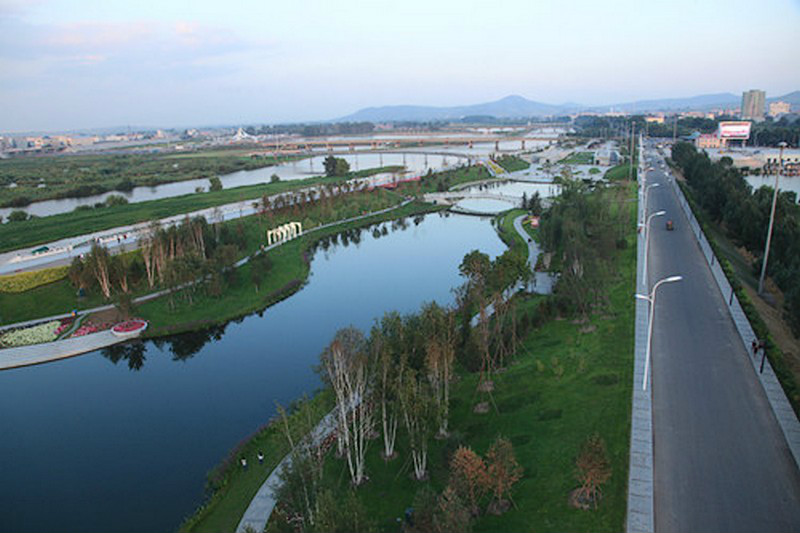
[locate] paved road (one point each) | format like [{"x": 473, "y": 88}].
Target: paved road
[{"x": 721, "y": 462}]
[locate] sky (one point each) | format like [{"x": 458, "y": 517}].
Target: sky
[{"x": 77, "y": 64}]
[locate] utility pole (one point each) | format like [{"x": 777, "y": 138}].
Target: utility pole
[
  {"x": 771, "y": 222},
  {"x": 633, "y": 135},
  {"x": 675, "y": 129}
]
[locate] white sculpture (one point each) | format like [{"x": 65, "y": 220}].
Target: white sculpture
[{"x": 287, "y": 231}]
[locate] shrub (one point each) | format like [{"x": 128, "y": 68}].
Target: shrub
[{"x": 28, "y": 280}]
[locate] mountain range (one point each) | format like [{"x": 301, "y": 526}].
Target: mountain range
[{"x": 516, "y": 106}]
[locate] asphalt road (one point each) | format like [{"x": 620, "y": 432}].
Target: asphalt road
[{"x": 721, "y": 462}]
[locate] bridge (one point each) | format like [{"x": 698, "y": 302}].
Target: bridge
[
  {"x": 452, "y": 197},
  {"x": 298, "y": 146}
]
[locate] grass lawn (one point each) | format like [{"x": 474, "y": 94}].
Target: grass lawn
[
  {"x": 47, "y": 229},
  {"x": 619, "y": 173},
  {"x": 512, "y": 163},
  {"x": 567, "y": 381},
  {"x": 579, "y": 158}
]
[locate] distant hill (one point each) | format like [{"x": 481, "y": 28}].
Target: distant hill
[
  {"x": 704, "y": 101},
  {"x": 793, "y": 98},
  {"x": 515, "y": 106},
  {"x": 508, "y": 107}
]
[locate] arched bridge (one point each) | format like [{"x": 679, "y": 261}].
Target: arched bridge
[{"x": 452, "y": 197}]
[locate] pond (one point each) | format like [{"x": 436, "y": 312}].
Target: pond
[{"x": 122, "y": 440}]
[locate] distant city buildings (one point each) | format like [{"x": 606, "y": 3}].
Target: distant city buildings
[
  {"x": 753, "y": 105},
  {"x": 657, "y": 119},
  {"x": 708, "y": 140},
  {"x": 777, "y": 109}
]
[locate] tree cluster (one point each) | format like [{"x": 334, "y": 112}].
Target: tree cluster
[
  {"x": 582, "y": 229},
  {"x": 726, "y": 196}
]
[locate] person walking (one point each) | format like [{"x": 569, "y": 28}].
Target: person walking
[
  {"x": 260, "y": 457},
  {"x": 243, "y": 461}
]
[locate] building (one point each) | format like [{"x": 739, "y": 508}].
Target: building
[
  {"x": 779, "y": 108},
  {"x": 708, "y": 140},
  {"x": 658, "y": 119},
  {"x": 753, "y": 105}
]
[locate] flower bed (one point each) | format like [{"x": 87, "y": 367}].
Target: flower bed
[
  {"x": 32, "y": 335},
  {"x": 88, "y": 328},
  {"x": 66, "y": 323},
  {"x": 130, "y": 327}
]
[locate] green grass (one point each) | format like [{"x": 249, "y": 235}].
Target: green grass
[
  {"x": 546, "y": 416},
  {"x": 52, "y": 299},
  {"x": 234, "y": 487},
  {"x": 509, "y": 235},
  {"x": 47, "y": 229},
  {"x": 579, "y": 158},
  {"x": 512, "y": 163},
  {"x": 620, "y": 173}
]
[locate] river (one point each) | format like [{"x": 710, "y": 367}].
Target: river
[{"x": 89, "y": 444}]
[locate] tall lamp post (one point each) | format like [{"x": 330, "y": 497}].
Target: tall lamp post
[
  {"x": 652, "y": 299},
  {"x": 771, "y": 222},
  {"x": 647, "y": 242}
]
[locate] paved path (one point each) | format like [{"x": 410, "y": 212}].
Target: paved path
[
  {"x": 53, "y": 351},
  {"x": 721, "y": 458},
  {"x": 542, "y": 281}
]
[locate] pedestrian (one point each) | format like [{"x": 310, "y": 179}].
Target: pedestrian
[
  {"x": 260, "y": 457},
  {"x": 755, "y": 347},
  {"x": 243, "y": 461}
]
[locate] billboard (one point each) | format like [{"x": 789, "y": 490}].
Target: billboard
[{"x": 734, "y": 130}]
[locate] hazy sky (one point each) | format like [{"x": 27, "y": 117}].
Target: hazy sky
[{"x": 93, "y": 63}]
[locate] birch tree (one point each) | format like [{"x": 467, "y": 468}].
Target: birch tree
[
  {"x": 346, "y": 365},
  {"x": 417, "y": 407}
]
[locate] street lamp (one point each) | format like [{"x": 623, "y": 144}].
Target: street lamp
[
  {"x": 647, "y": 242},
  {"x": 652, "y": 300},
  {"x": 646, "y": 190},
  {"x": 771, "y": 222}
]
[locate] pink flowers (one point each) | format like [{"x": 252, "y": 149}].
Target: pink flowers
[
  {"x": 129, "y": 327},
  {"x": 88, "y": 328}
]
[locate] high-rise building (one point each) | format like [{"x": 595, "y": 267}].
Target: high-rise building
[
  {"x": 779, "y": 108},
  {"x": 753, "y": 105}
]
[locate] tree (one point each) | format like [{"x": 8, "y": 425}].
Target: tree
[
  {"x": 439, "y": 357},
  {"x": 98, "y": 260},
  {"x": 593, "y": 468},
  {"x": 301, "y": 477},
  {"x": 115, "y": 200},
  {"x": 469, "y": 477},
  {"x": 503, "y": 472},
  {"x": 260, "y": 265},
  {"x": 417, "y": 406},
  {"x": 335, "y": 166},
  {"x": 214, "y": 184},
  {"x": 386, "y": 352},
  {"x": 18, "y": 215},
  {"x": 274, "y": 178},
  {"x": 346, "y": 366}
]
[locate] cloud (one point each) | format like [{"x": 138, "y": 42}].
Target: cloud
[{"x": 137, "y": 48}]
